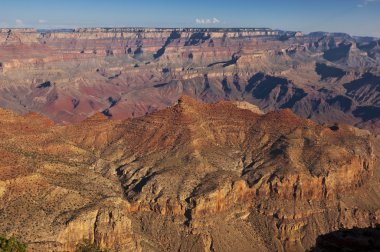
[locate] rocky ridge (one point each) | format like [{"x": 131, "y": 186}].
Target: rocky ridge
[
  {"x": 192, "y": 177},
  {"x": 128, "y": 72}
]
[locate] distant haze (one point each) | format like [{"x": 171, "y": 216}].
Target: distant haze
[{"x": 356, "y": 17}]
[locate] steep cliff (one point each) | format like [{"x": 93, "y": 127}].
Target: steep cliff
[
  {"x": 192, "y": 177},
  {"x": 128, "y": 72}
]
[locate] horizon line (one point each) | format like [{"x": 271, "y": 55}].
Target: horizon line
[{"x": 178, "y": 28}]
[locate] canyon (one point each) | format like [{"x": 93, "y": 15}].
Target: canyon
[
  {"x": 69, "y": 75},
  {"x": 191, "y": 139},
  {"x": 191, "y": 177}
]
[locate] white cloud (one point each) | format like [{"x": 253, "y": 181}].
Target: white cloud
[
  {"x": 366, "y": 2},
  {"x": 19, "y": 22},
  {"x": 215, "y": 21},
  {"x": 207, "y": 21},
  {"x": 42, "y": 21}
]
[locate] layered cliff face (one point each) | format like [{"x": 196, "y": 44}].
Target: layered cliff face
[
  {"x": 128, "y": 72},
  {"x": 192, "y": 177}
]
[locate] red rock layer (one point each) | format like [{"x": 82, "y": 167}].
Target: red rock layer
[{"x": 193, "y": 176}]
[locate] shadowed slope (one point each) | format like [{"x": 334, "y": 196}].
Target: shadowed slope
[
  {"x": 194, "y": 176},
  {"x": 129, "y": 72}
]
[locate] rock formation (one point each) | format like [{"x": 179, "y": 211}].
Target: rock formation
[
  {"x": 191, "y": 177},
  {"x": 68, "y": 75}
]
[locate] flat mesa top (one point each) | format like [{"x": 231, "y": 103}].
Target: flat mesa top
[{"x": 138, "y": 29}]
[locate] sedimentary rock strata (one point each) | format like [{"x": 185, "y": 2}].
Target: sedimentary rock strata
[
  {"x": 191, "y": 177},
  {"x": 127, "y": 72}
]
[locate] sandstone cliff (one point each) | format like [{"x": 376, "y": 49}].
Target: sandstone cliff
[
  {"x": 192, "y": 177},
  {"x": 128, "y": 72}
]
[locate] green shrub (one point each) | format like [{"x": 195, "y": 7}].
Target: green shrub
[
  {"x": 88, "y": 246},
  {"x": 11, "y": 245}
]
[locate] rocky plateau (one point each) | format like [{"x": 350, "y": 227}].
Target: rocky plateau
[
  {"x": 140, "y": 139},
  {"x": 69, "y": 75}
]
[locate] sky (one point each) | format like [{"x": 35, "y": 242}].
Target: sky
[{"x": 356, "y": 17}]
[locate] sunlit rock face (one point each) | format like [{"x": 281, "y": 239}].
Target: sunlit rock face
[
  {"x": 128, "y": 72},
  {"x": 191, "y": 177},
  {"x": 248, "y": 170}
]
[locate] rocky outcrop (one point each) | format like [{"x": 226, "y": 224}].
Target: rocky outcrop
[
  {"x": 146, "y": 70},
  {"x": 194, "y": 176}
]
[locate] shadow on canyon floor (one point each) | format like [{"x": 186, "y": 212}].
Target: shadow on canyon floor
[{"x": 356, "y": 239}]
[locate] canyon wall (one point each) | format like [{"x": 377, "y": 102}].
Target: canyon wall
[
  {"x": 191, "y": 177},
  {"x": 128, "y": 72}
]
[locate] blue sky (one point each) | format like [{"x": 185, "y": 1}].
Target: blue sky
[{"x": 357, "y": 17}]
